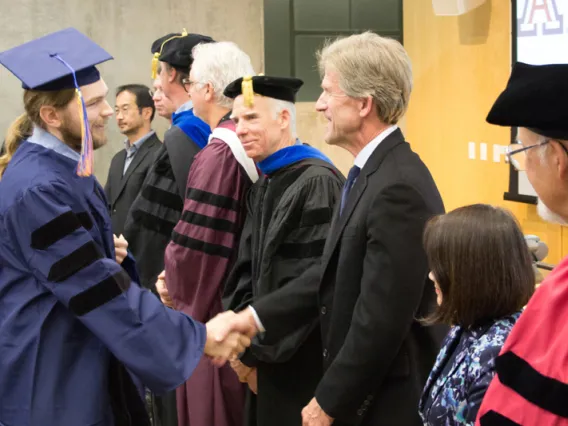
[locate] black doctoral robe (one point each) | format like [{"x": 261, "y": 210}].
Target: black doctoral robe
[
  {"x": 149, "y": 225},
  {"x": 158, "y": 207},
  {"x": 289, "y": 215}
]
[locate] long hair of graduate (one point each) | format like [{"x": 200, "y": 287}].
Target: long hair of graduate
[{"x": 22, "y": 127}]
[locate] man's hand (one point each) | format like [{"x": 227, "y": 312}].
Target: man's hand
[
  {"x": 246, "y": 374},
  {"x": 252, "y": 381},
  {"x": 220, "y": 328},
  {"x": 162, "y": 290},
  {"x": 313, "y": 415},
  {"x": 241, "y": 370},
  {"x": 225, "y": 323},
  {"x": 234, "y": 344},
  {"x": 120, "y": 248}
]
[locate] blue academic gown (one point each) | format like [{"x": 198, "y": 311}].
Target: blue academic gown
[{"x": 71, "y": 318}]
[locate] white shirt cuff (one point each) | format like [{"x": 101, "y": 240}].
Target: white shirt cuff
[{"x": 257, "y": 320}]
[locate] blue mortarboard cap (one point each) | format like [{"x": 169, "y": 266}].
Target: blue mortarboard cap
[
  {"x": 37, "y": 65},
  {"x": 62, "y": 60}
]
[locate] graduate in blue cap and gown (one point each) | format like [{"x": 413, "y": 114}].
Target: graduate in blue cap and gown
[
  {"x": 289, "y": 215},
  {"x": 76, "y": 330}
]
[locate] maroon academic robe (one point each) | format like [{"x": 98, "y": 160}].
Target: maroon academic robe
[
  {"x": 531, "y": 384},
  {"x": 198, "y": 258}
]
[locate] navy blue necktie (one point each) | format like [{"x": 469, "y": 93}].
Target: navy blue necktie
[{"x": 351, "y": 178}]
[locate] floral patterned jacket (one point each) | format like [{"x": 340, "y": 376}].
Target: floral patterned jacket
[{"x": 457, "y": 395}]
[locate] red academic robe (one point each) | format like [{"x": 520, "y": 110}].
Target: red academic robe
[
  {"x": 202, "y": 250},
  {"x": 531, "y": 385}
]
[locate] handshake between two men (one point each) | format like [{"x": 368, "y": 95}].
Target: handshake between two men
[{"x": 228, "y": 335}]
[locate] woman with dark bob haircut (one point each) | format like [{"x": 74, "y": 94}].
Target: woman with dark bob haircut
[{"x": 482, "y": 271}]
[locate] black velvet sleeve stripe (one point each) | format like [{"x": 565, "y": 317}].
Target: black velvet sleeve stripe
[
  {"x": 165, "y": 198},
  {"x": 212, "y": 199},
  {"x": 154, "y": 223},
  {"x": 208, "y": 222},
  {"x": 492, "y": 418},
  {"x": 163, "y": 168},
  {"x": 208, "y": 248},
  {"x": 315, "y": 217},
  {"x": 74, "y": 262},
  {"x": 55, "y": 230},
  {"x": 301, "y": 250},
  {"x": 85, "y": 220},
  {"x": 99, "y": 294},
  {"x": 545, "y": 392}
]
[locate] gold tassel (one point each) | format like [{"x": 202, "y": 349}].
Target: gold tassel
[
  {"x": 81, "y": 118},
  {"x": 247, "y": 90},
  {"x": 156, "y": 58},
  {"x": 85, "y": 165},
  {"x": 155, "y": 62}
]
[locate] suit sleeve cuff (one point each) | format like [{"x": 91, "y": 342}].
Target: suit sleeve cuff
[{"x": 325, "y": 405}]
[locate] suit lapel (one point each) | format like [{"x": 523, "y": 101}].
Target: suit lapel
[
  {"x": 340, "y": 221},
  {"x": 371, "y": 166},
  {"x": 138, "y": 158},
  {"x": 116, "y": 181}
]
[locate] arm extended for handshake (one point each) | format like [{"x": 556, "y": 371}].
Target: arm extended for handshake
[{"x": 228, "y": 334}]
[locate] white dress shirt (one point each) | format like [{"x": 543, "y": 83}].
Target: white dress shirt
[{"x": 366, "y": 152}]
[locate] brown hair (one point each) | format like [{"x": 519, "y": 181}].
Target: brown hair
[
  {"x": 181, "y": 73},
  {"x": 22, "y": 127},
  {"x": 482, "y": 265}
]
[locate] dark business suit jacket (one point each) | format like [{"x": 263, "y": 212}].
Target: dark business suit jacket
[
  {"x": 122, "y": 190},
  {"x": 368, "y": 292}
]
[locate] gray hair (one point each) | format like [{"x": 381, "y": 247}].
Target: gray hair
[
  {"x": 371, "y": 65},
  {"x": 278, "y": 106},
  {"x": 220, "y": 64},
  {"x": 543, "y": 148}
]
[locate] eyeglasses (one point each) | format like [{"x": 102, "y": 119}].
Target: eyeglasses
[
  {"x": 187, "y": 83},
  {"x": 520, "y": 154}
]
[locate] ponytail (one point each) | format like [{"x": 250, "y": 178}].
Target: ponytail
[{"x": 19, "y": 130}]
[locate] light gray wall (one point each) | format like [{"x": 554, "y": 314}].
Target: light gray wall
[{"x": 125, "y": 28}]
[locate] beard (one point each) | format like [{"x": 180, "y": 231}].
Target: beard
[
  {"x": 548, "y": 215},
  {"x": 71, "y": 135}
]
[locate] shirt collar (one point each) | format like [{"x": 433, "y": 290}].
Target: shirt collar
[
  {"x": 185, "y": 107},
  {"x": 136, "y": 145},
  {"x": 47, "y": 140},
  {"x": 366, "y": 152}
]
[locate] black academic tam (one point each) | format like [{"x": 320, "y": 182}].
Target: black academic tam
[
  {"x": 282, "y": 88},
  {"x": 534, "y": 98}
]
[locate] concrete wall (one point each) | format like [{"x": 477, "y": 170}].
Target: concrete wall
[{"x": 126, "y": 28}]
